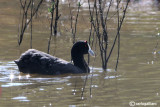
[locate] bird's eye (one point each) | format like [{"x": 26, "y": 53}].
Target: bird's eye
[{"x": 85, "y": 41}]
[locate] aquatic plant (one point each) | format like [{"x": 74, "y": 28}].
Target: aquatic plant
[
  {"x": 98, "y": 20},
  {"x": 27, "y": 18}
]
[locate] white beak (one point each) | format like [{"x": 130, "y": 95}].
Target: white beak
[{"x": 90, "y": 51}]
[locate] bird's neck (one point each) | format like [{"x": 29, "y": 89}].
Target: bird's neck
[{"x": 80, "y": 62}]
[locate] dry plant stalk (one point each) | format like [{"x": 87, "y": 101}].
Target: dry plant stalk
[
  {"x": 27, "y": 18},
  {"x": 98, "y": 21}
]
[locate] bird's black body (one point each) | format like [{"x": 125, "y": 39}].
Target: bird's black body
[{"x": 34, "y": 61}]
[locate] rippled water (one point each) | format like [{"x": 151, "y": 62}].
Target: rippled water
[{"x": 137, "y": 78}]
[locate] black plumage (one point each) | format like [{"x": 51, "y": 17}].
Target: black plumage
[{"x": 34, "y": 61}]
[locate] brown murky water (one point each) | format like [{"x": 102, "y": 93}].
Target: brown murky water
[{"x": 137, "y": 78}]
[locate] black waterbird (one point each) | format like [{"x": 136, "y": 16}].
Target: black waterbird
[{"x": 34, "y": 61}]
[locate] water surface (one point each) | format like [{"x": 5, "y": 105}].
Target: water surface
[{"x": 137, "y": 78}]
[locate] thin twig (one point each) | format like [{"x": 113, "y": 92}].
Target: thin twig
[
  {"x": 121, "y": 21},
  {"x": 25, "y": 21},
  {"x": 51, "y": 26},
  {"x": 56, "y": 18},
  {"x": 31, "y": 23},
  {"x": 75, "y": 26},
  {"x": 118, "y": 33}
]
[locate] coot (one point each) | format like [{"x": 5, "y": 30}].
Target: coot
[{"x": 34, "y": 61}]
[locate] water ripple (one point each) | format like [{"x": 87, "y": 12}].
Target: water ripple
[
  {"x": 21, "y": 98},
  {"x": 15, "y": 84}
]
